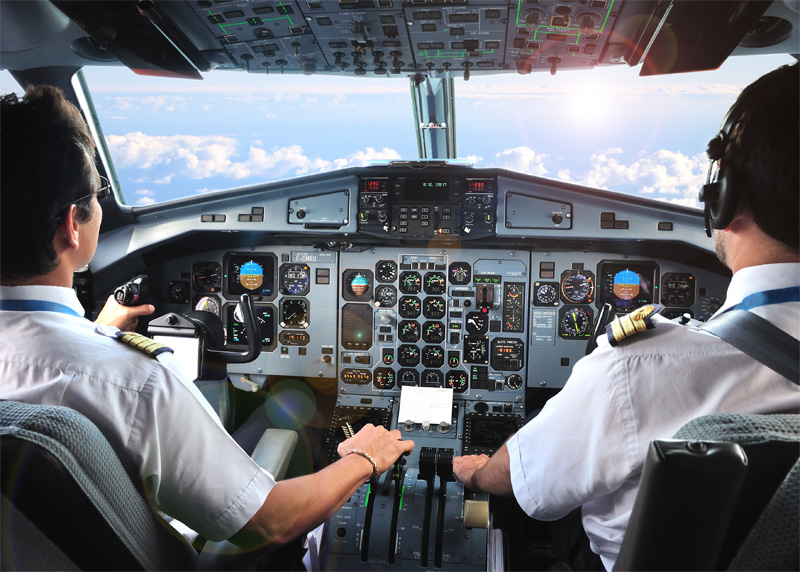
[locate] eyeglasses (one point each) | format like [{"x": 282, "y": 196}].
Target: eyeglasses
[{"x": 102, "y": 193}]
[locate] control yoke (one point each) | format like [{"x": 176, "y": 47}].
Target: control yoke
[{"x": 253, "y": 339}]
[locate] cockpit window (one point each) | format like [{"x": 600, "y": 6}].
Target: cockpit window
[{"x": 606, "y": 128}]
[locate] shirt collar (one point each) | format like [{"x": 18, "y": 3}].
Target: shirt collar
[
  {"x": 759, "y": 279},
  {"x": 56, "y": 294}
]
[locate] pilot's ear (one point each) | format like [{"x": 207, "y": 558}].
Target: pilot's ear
[{"x": 68, "y": 229}]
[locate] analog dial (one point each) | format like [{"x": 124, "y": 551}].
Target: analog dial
[
  {"x": 575, "y": 322},
  {"x": 546, "y": 294},
  {"x": 295, "y": 279},
  {"x": 433, "y": 332},
  {"x": 294, "y": 313},
  {"x": 207, "y": 277},
  {"x": 385, "y": 296},
  {"x": 386, "y": 271},
  {"x": 434, "y": 308},
  {"x": 410, "y": 307},
  {"x": 435, "y": 283},
  {"x": 477, "y": 323},
  {"x": 460, "y": 273},
  {"x": 410, "y": 283},
  {"x": 408, "y": 331},
  {"x": 432, "y": 356},
  {"x": 577, "y": 286},
  {"x": 457, "y": 380},
  {"x": 408, "y": 355}
]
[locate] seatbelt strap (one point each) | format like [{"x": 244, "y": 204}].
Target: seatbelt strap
[{"x": 760, "y": 339}]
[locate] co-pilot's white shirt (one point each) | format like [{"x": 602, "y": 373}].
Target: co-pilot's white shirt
[
  {"x": 587, "y": 446},
  {"x": 191, "y": 468}
]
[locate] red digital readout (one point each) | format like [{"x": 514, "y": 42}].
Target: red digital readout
[
  {"x": 476, "y": 187},
  {"x": 372, "y": 186}
]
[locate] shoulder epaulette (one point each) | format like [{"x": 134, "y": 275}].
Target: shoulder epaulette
[
  {"x": 631, "y": 324},
  {"x": 143, "y": 343}
]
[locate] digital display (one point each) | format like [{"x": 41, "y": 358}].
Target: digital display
[
  {"x": 627, "y": 285},
  {"x": 489, "y": 432},
  {"x": 357, "y": 326},
  {"x": 237, "y": 333},
  {"x": 249, "y": 275},
  {"x": 425, "y": 191},
  {"x": 374, "y": 185}
]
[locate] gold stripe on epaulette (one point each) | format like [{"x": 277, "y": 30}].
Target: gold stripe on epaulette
[
  {"x": 630, "y": 324},
  {"x": 143, "y": 343}
]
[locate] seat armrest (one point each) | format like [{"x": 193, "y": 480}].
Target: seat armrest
[{"x": 274, "y": 450}]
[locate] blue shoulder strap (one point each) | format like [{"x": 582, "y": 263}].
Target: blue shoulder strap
[{"x": 760, "y": 339}]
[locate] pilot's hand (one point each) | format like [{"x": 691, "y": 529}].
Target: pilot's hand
[
  {"x": 123, "y": 317},
  {"x": 384, "y": 446},
  {"x": 465, "y": 468}
]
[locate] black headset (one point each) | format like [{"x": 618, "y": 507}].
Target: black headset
[{"x": 721, "y": 193}]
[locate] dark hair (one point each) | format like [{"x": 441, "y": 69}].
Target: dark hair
[
  {"x": 46, "y": 164},
  {"x": 764, "y": 147}
]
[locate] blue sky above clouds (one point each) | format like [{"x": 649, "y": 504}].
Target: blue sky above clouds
[{"x": 605, "y": 128}]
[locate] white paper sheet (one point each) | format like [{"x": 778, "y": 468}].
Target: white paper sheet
[{"x": 431, "y": 404}]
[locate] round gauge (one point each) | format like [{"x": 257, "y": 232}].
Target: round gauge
[
  {"x": 457, "y": 380},
  {"x": 178, "y": 292},
  {"x": 432, "y": 356},
  {"x": 546, "y": 294},
  {"x": 514, "y": 381},
  {"x": 432, "y": 378},
  {"x": 513, "y": 291},
  {"x": 477, "y": 323},
  {"x": 410, "y": 282},
  {"x": 386, "y": 271},
  {"x": 575, "y": 323},
  {"x": 460, "y": 273},
  {"x": 294, "y": 313},
  {"x": 577, "y": 286},
  {"x": 295, "y": 279},
  {"x": 435, "y": 283},
  {"x": 434, "y": 308},
  {"x": 207, "y": 277},
  {"x": 408, "y": 377},
  {"x": 709, "y": 306},
  {"x": 433, "y": 332},
  {"x": 677, "y": 289},
  {"x": 408, "y": 356},
  {"x": 385, "y": 296},
  {"x": 511, "y": 323},
  {"x": 410, "y": 307},
  {"x": 408, "y": 331},
  {"x": 358, "y": 284},
  {"x": 208, "y": 304},
  {"x": 384, "y": 378}
]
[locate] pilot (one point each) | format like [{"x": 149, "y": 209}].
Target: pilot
[
  {"x": 586, "y": 448},
  {"x": 50, "y": 354}
]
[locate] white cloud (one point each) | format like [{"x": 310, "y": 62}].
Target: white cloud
[
  {"x": 146, "y": 192},
  {"x": 201, "y": 157},
  {"x": 661, "y": 173},
  {"x": 522, "y": 159}
]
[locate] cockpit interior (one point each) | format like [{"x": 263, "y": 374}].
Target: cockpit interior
[{"x": 424, "y": 293}]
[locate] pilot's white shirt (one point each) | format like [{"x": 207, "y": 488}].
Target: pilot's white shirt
[
  {"x": 190, "y": 466},
  {"x": 587, "y": 446}
]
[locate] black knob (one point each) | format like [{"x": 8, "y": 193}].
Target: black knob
[{"x": 301, "y": 214}]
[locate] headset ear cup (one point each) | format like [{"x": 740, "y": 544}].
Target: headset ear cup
[{"x": 723, "y": 208}]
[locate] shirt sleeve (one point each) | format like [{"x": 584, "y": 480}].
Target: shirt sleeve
[
  {"x": 563, "y": 457},
  {"x": 191, "y": 467}
]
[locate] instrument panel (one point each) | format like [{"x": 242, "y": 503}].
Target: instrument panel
[{"x": 474, "y": 290}]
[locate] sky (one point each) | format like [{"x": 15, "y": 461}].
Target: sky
[{"x": 605, "y": 128}]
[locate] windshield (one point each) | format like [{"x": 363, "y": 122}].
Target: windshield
[{"x": 605, "y": 128}]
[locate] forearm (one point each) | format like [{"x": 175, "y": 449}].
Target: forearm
[
  {"x": 495, "y": 476},
  {"x": 295, "y": 506}
]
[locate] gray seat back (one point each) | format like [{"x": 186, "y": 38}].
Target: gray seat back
[
  {"x": 710, "y": 498},
  {"x": 62, "y": 477}
]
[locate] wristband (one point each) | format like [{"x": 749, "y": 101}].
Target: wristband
[{"x": 368, "y": 458}]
